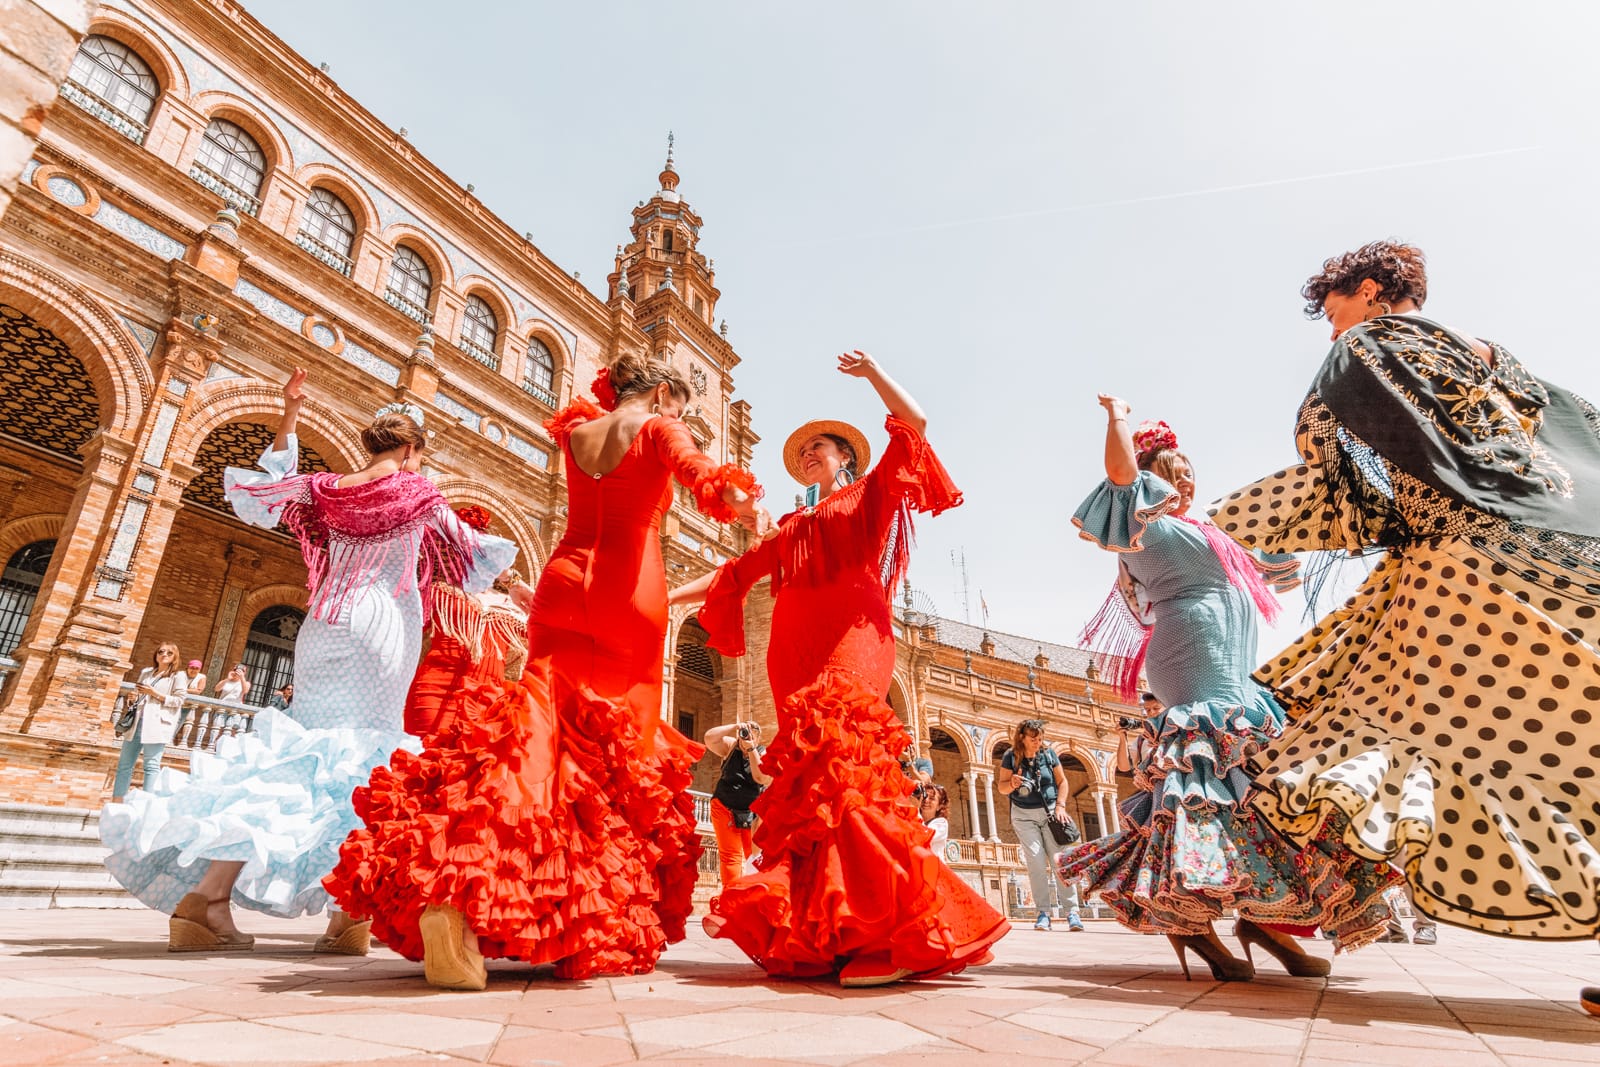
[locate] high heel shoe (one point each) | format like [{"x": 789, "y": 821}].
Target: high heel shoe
[
  {"x": 189, "y": 930},
  {"x": 872, "y": 970},
  {"x": 1224, "y": 968},
  {"x": 446, "y": 960},
  {"x": 1298, "y": 964},
  {"x": 353, "y": 940}
]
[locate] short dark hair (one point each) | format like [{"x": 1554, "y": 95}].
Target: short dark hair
[
  {"x": 1401, "y": 271},
  {"x": 1148, "y": 696}
]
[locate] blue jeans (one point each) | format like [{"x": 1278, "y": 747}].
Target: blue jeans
[{"x": 131, "y": 748}]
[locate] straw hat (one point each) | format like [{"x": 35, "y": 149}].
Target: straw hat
[{"x": 832, "y": 427}]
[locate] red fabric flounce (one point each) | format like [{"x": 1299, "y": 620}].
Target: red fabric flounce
[
  {"x": 845, "y": 868},
  {"x": 709, "y": 489},
  {"x": 525, "y": 825},
  {"x": 722, "y": 614},
  {"x": 569, "y": 418}
]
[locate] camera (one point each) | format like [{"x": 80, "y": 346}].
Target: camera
[
  {"x": 1024, "y": 786},
  {"x": 746, "y": 732},
  {"x": 1130, "y": 724}
]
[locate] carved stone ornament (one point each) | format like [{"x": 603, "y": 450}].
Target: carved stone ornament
[{"x": 697, "y": 378}]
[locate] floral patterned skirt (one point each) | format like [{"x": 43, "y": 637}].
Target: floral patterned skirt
[{"x": 1200, "y": 850}]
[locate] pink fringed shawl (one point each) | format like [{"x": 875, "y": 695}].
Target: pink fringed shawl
[
  {"x": 348, "y": 535},
  {"x": 1118, "y": 634}
]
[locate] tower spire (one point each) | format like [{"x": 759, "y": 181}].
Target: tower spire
[{"x": 669, "y": 175}]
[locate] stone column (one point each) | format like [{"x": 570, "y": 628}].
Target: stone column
[
  {"x": 970, "y": 781},
  {"x": 988, "y": 796},
  {"x": 1100, "y": 810},
  {"x": 1116, "y": 815}
]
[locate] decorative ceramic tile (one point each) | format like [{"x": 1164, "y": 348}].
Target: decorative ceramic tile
[
  {"x": 127, "y": 537},
  {"x": 459, "y": 410},
  {"x": 139, "y": 232},
  {"x": 528, "y": 451},
  {"x": 270, "y": 305},
  {"x": 217, "y": 371},
  {"x": 67, "y": 191},
  {"x": 376, "y": 366},
  {"x": 155, "y": 451}
]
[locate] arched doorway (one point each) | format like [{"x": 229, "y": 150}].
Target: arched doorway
[
  {"x": 19, "y": 589},
  {"x": 1080, "y": 788},
  {"x": 696, "y": 696},
  {"x": 269, "y": 650},
  {"x": 948, "y": 767}
]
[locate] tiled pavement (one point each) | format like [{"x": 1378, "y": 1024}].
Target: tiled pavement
[{"x": 97, "y": 987}]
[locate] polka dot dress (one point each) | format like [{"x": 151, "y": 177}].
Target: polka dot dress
[{"x": 1448, "y": 708}]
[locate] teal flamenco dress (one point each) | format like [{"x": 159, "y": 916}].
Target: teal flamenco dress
[{"x": 1193, "y": 849}]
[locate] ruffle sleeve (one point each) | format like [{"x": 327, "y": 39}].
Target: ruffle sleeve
[
  {"x": 467, "y": 558},
  {"x": 705, "y": 479},
  {"x": 569, "y": 418},
  {"x": 912, "y": 472},
  {"x": 722, "y": 614},
  {"x": 1115, "y": 516},
  {"x": 259, "y": 496}
]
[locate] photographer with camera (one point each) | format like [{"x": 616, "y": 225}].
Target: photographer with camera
[
  {"x": 738, "y": 785},
  {"x": 1031, "y": 775}
]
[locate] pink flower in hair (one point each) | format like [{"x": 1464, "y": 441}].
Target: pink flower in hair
[{"x": 1152, "y": 437}]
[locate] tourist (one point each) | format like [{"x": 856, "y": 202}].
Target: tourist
[
  {"x": 1190, "y": 597},
  {"x": 843, "y": 877},
  {"x": 197, "y": 676},
  {"x": 260, "y": 824},
  {"x": 1446, "y": 714},
  {"x": 740, "y": 780},
  {"x": 474, "y": 639},
  {"x": 934, "y": 808},
  {"x": 161, "y": 688},
  {"x": 551, "y": 821},
  {"x": 1032, "y": 776},
  {"x": 282, "y": 697},
  {"x": 236, "y": 686}
]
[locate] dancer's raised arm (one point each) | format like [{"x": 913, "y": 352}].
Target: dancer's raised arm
[
  {"x": 859, "y": 364},
  {"x": 1121, "y": 466},
  {"x": 293, "y": 396}
]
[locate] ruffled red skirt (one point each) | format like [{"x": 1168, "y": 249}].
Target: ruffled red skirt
[
  {"x": 845, "y": 870},
  {"x": 546, "y": 829}
]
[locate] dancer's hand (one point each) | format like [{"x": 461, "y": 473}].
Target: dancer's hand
[
  {"x": 1116, "y": 407},
  {"x": 857, "y": 364},
  {"x": 294, "y": 389}
]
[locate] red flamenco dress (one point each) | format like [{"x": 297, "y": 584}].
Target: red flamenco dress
[
  {"x": 554, "y": 814},
  {"x": 845, "y": 871},
  {"x": 474, "y": 640}
]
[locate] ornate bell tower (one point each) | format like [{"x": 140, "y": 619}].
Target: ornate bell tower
[{"x": 662, "y": 272}]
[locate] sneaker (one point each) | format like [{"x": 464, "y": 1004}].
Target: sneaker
[
  {"x": 1425, "y": 935},
  {"x": 1074, "y": 921},
  {"x": 1042, "y": 922}
]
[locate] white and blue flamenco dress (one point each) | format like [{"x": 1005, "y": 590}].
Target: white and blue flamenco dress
[{"x": 278, "y": 799}]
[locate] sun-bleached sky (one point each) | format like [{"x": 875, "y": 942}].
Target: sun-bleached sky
[{"x": 1015, "y": 206}]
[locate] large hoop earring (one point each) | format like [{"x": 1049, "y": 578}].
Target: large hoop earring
[
  {"x": 1384, "y": 308},
  {"x": 847, "y": 474}
]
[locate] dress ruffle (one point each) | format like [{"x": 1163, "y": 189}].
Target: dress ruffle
[
  {"x": 709, "y": 489},
  {"x": 522, "y": 824},
  {"x": 1115, "y": 516},
  {"x": 569, "y": 418},
  {"x": 1202, "y": 851},
  {"x": 840, "y": 838},
  {"x": 277, "y": 799}
]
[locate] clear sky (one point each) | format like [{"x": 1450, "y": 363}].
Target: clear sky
[{"x": 1016, "y": 205}]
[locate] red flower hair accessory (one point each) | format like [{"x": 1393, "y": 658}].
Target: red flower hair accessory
[
  {"x": 603, "y": 390},
  {"x": 474, "y": 516},
  {"x": 1152, "y": 437}
]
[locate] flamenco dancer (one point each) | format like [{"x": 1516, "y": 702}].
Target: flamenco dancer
[
  {"x": 1185, "y": 611},
  {"x": 260, "y": 824},
  {"x": 550, "y": 821},
  {"x": 474, "y": 639},
  {"x": 846, "y": 880},
  {"x": 1446, "y": 714}
]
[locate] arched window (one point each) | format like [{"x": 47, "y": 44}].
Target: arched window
[
  {"x": 111, "y": 82},
  {"x": 410, "y": 284},
  {"x": 479, "y": 332},
  {"x": 269, "y": 651},
  {"x": 19, "y": 588},
  {"x": 328, "y": 230},
  {"x": 539, "y": 373},
  {"x": 231, "y": 165}
]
